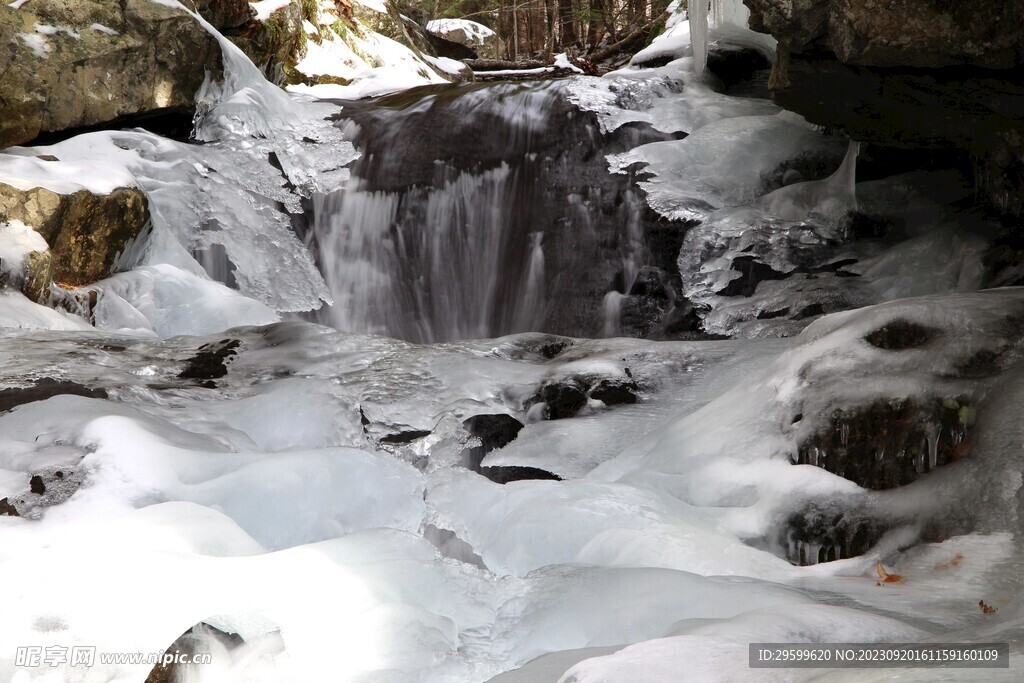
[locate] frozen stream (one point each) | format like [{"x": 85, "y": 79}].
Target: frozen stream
[{"x": 336, "y": 423}]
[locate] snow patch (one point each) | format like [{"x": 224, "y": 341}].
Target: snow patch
[{"x": 264, "y": 8}]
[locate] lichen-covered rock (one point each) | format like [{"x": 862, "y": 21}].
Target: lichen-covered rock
[
  {"x": 67, "y": 64},
  {"x": 85, "y": 232}
]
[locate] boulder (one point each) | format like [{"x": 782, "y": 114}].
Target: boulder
[
  {"x": 898, "y": 33},
  {"x": 67, "y": 64},
  {"x": 909, "y": 74},
  {"x": 85, "y": 232}
]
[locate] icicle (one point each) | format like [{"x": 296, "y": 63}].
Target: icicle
[
  {"x": 698, "y": 17},
  {"x": 831, "y": 199},
  {"x": 933, "y": 446},
  {"x": 844, "y": 434},
  {"x": 729, "y": 13}
]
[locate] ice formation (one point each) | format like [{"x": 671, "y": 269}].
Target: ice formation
[{"x": 697, "y": 15}]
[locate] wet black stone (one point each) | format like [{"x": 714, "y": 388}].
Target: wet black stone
[
  {"x": 45, "y": 388},
  {"x": 809, "y": 311},
  {"x": 504, "y": 475},
  {"x": 210, "y": 361},
  {"x": 769, "y": 315},
  {"x": 615, "y": 392},
  {"x": 736, "y": 69},
  {"x": 405, "y": 437},
  {"x": 649, "y": 282},
  {"x": 564, "y": 399},
  {"x": 494, "y": 431},
  {"x": 752, "y": 273},
  {"x": 900, "y": 335},
  {"x": 887, "y": 444},
  {"x": 552, "y": 349},
  {"x": 820, "y": 533},
  {"x": 6, "y": 509},
  {"x": 36, "y": 485}
]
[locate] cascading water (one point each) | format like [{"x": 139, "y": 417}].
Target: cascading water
[{"x": 428, "y": 244}]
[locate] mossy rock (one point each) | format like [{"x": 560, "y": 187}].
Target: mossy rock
[{"x": 85, "y": 232}]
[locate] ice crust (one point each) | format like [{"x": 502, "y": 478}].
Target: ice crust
[{"x": 269, "y": 487}]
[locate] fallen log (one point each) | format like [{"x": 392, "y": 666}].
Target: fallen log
[
  {"x": 632, "y": 38},
  {"x": 503, "y": 65}
]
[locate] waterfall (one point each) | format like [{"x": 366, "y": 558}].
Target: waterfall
[
  {"x": 429, "y": 265},
  {"x": 428, "y": 245}
]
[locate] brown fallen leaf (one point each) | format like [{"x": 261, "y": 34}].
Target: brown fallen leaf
[
  {"x": 987, "y": 609},
  {"x": 953, "y": 562},
  {"x": 885, "y": 576}
]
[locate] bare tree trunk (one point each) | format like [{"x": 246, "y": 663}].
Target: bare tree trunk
[
  {"x": 567, "y": 34},
  {"x": 550, "y": 15},
  {"x": 598, "y": 16}
]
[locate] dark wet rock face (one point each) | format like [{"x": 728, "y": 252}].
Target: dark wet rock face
[
  {"x": 552, "y": 349},
  {"x": 497, "y": 431},
  {"x": 210, "y": 362},
  {"x": 8, "y": 510},
  {"x": 507, "y": 474},
  {"x": 494, "y": 431},
  {"x": 405, "y": 437},
  {"x": 900, "y": 335},
  {"x": 43, "y": 389},
  {"x": 615, "y": 392},
  {"x": 891, "y": 443},
  {"x": 822, "y": 533},
  {"x": 564, "y": 398},
  {"x": 909, "y": 74}
]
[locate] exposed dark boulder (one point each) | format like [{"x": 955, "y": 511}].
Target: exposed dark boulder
[
  {"x": 891, "y": 443},
  {"x": 900, "y": 335},
  {"x": 405, "y": 437},
  {"x": 563, "y": 398},
  {"x": 210, "y": 362},
  {"x": 43, "y": 389},
  {"x": 898, "y": 33},
  {"x": 503, "y": 474},
  {"x": 613, "y": 392},
  {"x": 494, "y": 431},
  {"x": 909, "y": 74},
  {"x": 825, "y": 533}
]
